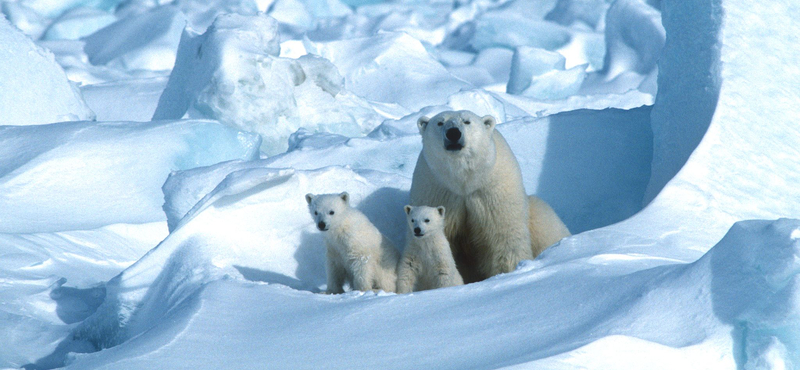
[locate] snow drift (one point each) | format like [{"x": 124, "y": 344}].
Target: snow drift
[
  {"x": 33, "y": 87},
  {"x": 113, "y": 170}
]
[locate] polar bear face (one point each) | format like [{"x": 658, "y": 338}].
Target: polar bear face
[
  {"x": 424, "y": 221},
  {"x": 459, "y": 148},
  {"x": 327, "y": 209}
]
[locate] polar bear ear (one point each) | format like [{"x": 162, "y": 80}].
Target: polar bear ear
[
  {"x": 488, "y": 122},
  {"x": 407, "y": 208},
  {"x": 309, "y": 198},
  {"x": 422, "y": 123},
  {"x": 441, "y": 210},
  {"x": 345, "y": 197}
]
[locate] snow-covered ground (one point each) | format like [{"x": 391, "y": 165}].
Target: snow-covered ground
[{"x": 154, "y": 158}]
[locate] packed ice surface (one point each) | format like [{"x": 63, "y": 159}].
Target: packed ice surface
[
  {"x": 391, "y": 68},
  {"x": 143, "y": 41},
  {"x": 78, "y": 22},
  {"x": 113, "y": 170},
  {"x": 233, "y": 73},
  {"x": 33, "y": 87},
  {"x": 666, "y": 268}
]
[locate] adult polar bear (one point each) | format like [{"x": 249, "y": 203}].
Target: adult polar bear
[{"x": 467, "y": 167}]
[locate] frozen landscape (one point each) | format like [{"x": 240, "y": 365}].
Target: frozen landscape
[{"x": 154, "y": 158}]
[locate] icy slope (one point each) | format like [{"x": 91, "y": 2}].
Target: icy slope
[
  {"x": 33, "y": 87},
  {"x": 114, "y": 171},
  {"x": 564, "y": 316}
]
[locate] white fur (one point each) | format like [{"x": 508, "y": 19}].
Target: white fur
[
  {"x": 427, "y": 261},
  {"x": 356, "y": 251},
  {"x": 490, "y": 220}
]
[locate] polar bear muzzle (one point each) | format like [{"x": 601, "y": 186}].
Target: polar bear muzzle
[{"x": 453, "y": 138}]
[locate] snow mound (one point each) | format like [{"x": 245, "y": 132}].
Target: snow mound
[
  {"x": 391, "y": 68},
  {"x": 83, "y": 175},
  {"x": 78, "y": 22},
  {"x": 540, "y": 74},
  {"x": 742, "y": 291},
  {"x": 146, "y": 41},
  {"x": 233, "y": 73},
  {"x": 33, "y": 87},
  {"x": 239, "y": 228}
]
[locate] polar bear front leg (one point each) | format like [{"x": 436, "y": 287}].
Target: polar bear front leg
[
  {"x": 407, "y": 274},
  {"x": 336, "y": 274},
  {"x": 363, "y": 274},
  {"x": 501, "y": 238}
]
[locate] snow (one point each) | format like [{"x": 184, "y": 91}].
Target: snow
[
  {"x": 113, "y": 170},
  {"x": 33, "y": 87},
  {"x": 144, "y": 41},
  {"x": 232, "y": 73},
  {"x": 154, "y": 169}
]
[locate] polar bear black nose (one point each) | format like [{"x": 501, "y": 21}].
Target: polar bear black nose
[
  {"x": 417, "y": 230},
  {"x": 321, "y": 225},
  {"x": 453, "y": 134}
]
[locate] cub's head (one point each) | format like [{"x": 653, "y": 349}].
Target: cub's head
[
  {"x": 456, "y": 132},
  {"x": 327, "y": 209},
  {"x": 423, "y": 220}
]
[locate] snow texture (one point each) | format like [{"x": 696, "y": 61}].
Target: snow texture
[
  {"x": 662, "y": 132},
  {"x": 233, "y": 73},
  {"x": 33, "y": 87},
  {"x": 113, "y": 170}
]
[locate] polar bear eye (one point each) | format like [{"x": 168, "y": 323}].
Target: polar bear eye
[
  {"x": 427, "y": 220},
  {"x": 466, "y": 122},
  {"x": 315, "y": 213},
  {"x": 440, "y": 123},
  {"x": 413, "y": 221},
  {"x": 330, "y": 213}
]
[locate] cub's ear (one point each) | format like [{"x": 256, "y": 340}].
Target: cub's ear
[
  {"x": 441, "y": 210},
  {"x": 309, "y": 198},
  {"x": 422, "y": 123},
  {"x": 407, "y": 208},
  {"x": 345, "y": 197},
  {"x": 488, "y": 122}
]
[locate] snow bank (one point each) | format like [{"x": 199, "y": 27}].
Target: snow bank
[
  {"x": 144, "y": 41},
  {"x": 33, "y": 87},
  {"x": 78, "y": 22},
  {"x": 232, "y": 73},
  {"x": 83, "y": 175},
  {"x": 254, "y": 224},
  {"x": 540, "y": 74},
  {"x": 133, "y": 99},
  {"x": 689, "y": 83},
  {"x": 742, "y": 292},
  {"x": 391, "y": 68}
]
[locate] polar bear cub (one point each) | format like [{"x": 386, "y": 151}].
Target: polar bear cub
[
  {"x": 427, "y": 261},
  {"x": 356, "y": 251}
]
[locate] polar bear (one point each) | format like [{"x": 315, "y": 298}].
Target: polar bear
[
  {"x": 356, "y": 251},
  {"x": 427, "y": 262},
  {"x": 467, "y": 167}
]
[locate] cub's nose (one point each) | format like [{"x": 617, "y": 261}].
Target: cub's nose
[
  {"x": 453, "y": 134},
  {"x": 417, "y": 230},
  {"x": 321, "y": 225}
]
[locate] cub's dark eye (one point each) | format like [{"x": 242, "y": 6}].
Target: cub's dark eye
[
  {"x": 330, "y": 213},
  {"x": 440, "y": 123},
  {"x": 413, "y": 221},
  {"x": 315, "y": 213},
  {"x": 466, "y": 122},
  {"x": 427, "y": 220}
]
